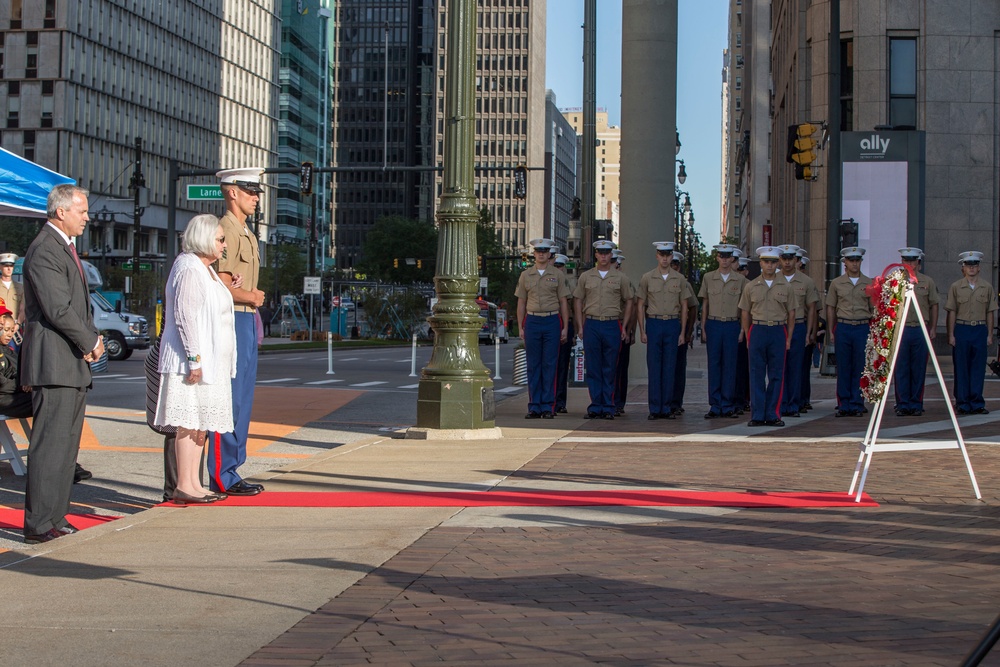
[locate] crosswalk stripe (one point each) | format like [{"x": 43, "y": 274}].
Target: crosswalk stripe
[
  {"x": 410, "y": 386},
  {"x": 507, "y": 390},
  {"x": 368, "y": 384},
  {"x": 276, "y": 380},
  {"x": 324, "y": 381}
]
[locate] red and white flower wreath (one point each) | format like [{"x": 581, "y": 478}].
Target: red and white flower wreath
[{"x": 887, "y": 293}]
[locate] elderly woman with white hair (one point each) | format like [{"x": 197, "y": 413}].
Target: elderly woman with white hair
[{"x": 197, "y": 355}]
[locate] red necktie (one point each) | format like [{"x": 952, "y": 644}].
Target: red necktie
[{"x": 76, "y": 258}]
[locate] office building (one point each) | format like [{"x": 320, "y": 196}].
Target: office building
[
  {"x": 607, "y": 188},
  {"x": 560, "y": 172}
]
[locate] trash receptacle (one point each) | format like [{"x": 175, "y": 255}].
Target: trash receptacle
[{"x": 828, "y": 362}]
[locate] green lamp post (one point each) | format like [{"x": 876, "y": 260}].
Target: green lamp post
[{"x": 456, "y": 391}]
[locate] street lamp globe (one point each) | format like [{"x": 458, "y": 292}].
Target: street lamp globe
[{"x": 681, "y": 173}]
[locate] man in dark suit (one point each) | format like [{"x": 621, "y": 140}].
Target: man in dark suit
[{"x": 60, "y": 341}]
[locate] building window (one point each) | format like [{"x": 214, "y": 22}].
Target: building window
[
  {"x": 903, "y": 82},
  {"x": 847, "y": 85}
]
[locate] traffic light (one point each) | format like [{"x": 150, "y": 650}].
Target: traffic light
[
  {"x": 520, "y": 181},
  {"x": 482, "y": 266},
  {"x": 526, "y": 261},
  {"x": 802, "y": 147},
  {"x": 420, "y": 263},
  {"x": 306, "y": 178},
  {"x": 395, "y": 263},
  {"x": 848, "y": 233}
]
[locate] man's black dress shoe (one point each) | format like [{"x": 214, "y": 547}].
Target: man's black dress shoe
[
  {"x": 181, "y": 498},
  {"x": 789, "y": 414},
  {"x": 774, "y": 422},
  {"x": 533, "y": 415},
  {"x": 244, "y": 488},
  {"x": 980, "y": 411},
  {"x": 652, "y": 416},
  {"x": 561, "y": 410},
  {"x": 962, "y": 412},
  {"x": 666, "y": 415},
  {"x": 67, "y": 530},
  {"x": 712, "y": 415},
  {"x": 47, "y": 536},
  {"x": 842, "y": 413},
  {"x": 593, "y": 415},
  {"x": 607, "y": 415},
  {"x": 548, "y": 415},
  {"x": 81, "y": 474},
  {"x": 756, "y": 422},
  {"x": 807, "y": 407}
]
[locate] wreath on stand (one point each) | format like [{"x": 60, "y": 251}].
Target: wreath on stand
[{"x": 887, "y": 293}]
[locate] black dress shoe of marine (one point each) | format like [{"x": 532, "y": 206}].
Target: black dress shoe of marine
[
  {"x": 653, "y": 416},
  {"x": 789, "y": 414},
  {"x": 80, "y": 474},
  {"x": 961, "y": 412},
  {"x": 244, "y": 488},
  {"x": 667, "y": 415},
  {"x": 607, "y": 415},
  {"x": 842, "y": 413},
  {"x": 774, "y": 422},
  {"x": 858, "y": 413},
  {"x": 47, "y": 536},
  {"x": 733, "y": 414},
  {"x": 806, "y": 407},
  {"x": 903, "y": 412},
  {"x": 712, "y": 415},
  {"x": 181, "y": 498},
  {"x": 533, "y": 415},
  {"x": 593, "y": 415},
  {"x": 756, "y": 422},
  {"x": 980, "y": 411},
  {"x": 67, "y": 530},
  {"x": 548, "y": 415},
  {"x": 561, "y": 410},
  {"x": 916, "y": 412}
]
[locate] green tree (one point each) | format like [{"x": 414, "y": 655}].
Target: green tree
[
  {"x": 16, "y": 234},
  {"x": 391, "y": 242},
  {"x": 290, "y": 271},
  {"x": 502, "y": 274}
]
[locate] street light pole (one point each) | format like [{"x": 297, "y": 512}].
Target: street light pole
[{"x": 455, "y": 390}]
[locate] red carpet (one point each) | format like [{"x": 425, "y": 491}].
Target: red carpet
[
  {"x": 617, "y": 498},
  {"x": 12, "y": 519}
]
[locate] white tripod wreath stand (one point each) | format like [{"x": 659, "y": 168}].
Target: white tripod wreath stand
[{"x": 870, "y": 444}]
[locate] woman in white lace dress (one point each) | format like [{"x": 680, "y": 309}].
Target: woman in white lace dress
[{"x": 197, "y": 355}]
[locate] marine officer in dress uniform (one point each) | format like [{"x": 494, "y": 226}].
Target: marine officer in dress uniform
[
  {"x": 768, "y": 319},
  {"x": 621, "y": 375},
  {"x": 601, "y": 301},
  {"x": 971, "y": 305},
  {"x": 542, "y": 318},
  {"x": 742, "y": 396},
  {"x": 911, "y": 360},
  {"x": 662, "y": 317},
  {"x": 805, "y": 395},
  {"x": 806, "y": 297},
  {"x": 241, "y": 191},
  {"x": 848, "y": 315},
  {"x": 565, "y": 347},
  {"x": 680, "y": 370},
  {"x": 721, "y": 331}
]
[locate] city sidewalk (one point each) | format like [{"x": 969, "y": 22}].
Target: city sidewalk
[{"x": 912, "y": 582}]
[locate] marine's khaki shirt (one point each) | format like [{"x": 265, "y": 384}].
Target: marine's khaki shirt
[
  {"x": 925, "y": 291},
  {"x": 12, "y": 296},
  {"x": 805, "y": 293},
  {"x": 768, "y": 304},
  {"x": 241, "y": 256},
  {"x": 542, "y": 292},
  {"x": 603, "y": 297},
  {"x": 850, "y": 300},
  {"x": 971, "y": 305},
  {"x": 722, "y": 297},
  {"x": 663, "y": 296}
]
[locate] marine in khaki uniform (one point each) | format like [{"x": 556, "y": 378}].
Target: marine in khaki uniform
[
  {"x": 768, "y": 320},
  {"x": 662, "y": 319},
  {"x": 542, "y": 318},
  {"x": 721, "y": 332},
  {"x": 621, "y": 374},
  {"x": 911, "y": 360},
  {"x": 11, "y": 292},
  {"x": 806, "y": 297},
  {"x": 812, "y": 320},
  {"x": 848, "y": 315},
  {"x": 971, "y": 306},
  {"x": 680, "y": 369},
  {"x": 742, "y": 267},
  {"x": 601, "y": 301},
  {"x": 228, "y": 451}
]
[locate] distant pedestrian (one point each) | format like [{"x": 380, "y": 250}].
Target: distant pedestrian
[
  {"x": 542, "y": 318},
  {"x": 768, "y": 319},
  {"x": 848, "y": 315},
  {"x": 911, "y": 360},
  {"x": 602, "y": 300},
  {"x": 971, "y": 306}
]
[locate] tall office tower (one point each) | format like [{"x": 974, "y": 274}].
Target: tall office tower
[
  {"x": 303, "y": 126},
  {"x": 609, "y": 165},
  {"x": 727, "y": 227},
  {"x": 197, "y": 82},
  {"x": 560, "y": 172},
  {"x": 747, "y": 161},
  {"x": 384, "y": 111},
  {"x": 510, "y": 112}
]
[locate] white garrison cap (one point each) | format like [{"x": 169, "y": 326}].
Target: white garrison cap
[
  {"x": 664, "y": 246},
  {"x": 617, "y": 255},
  {"x": 911, "y": 253},
  {"x": 560, "y": 259},
  {"x": 768, "y": 252},
  {"x": 788, "y": 249},
  {"x": 744, "y": 261},
  {"x": 604, "y": 244},
  {"x": 677, "y": 257},
  {"x": 804, "y": 260},
  {"x": 8, "y": 258},
  {"x": 247, "y": 177},
  {"x": 542, "y": 244},
  {"x": 852, "y": 251},
  {"x": 970, "y": 256},
  {"x": 802, "y": 252},
  {"x": 726, "y": 248}
]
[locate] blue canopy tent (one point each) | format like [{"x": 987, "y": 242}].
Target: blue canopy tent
[{"x": 24, "y": 186}]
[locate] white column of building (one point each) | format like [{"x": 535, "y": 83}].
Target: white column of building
[{"x": 649, "y": 118}]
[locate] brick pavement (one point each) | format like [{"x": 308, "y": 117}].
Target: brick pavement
[{"x": 912, "y": 582}]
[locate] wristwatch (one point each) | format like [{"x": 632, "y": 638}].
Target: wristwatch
[{"x": 196, "y": 358}]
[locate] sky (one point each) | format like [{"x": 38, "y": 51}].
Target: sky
[{"x": 701, "y": 40}]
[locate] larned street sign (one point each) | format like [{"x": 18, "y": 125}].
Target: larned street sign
[
  {"x": 143, "y": 266},
  {"x": 204, "y": 192}
]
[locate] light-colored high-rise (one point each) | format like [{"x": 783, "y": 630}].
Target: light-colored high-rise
[
  {"x": 197, "y": 83},
  {"x": 607, "y": 189}
]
